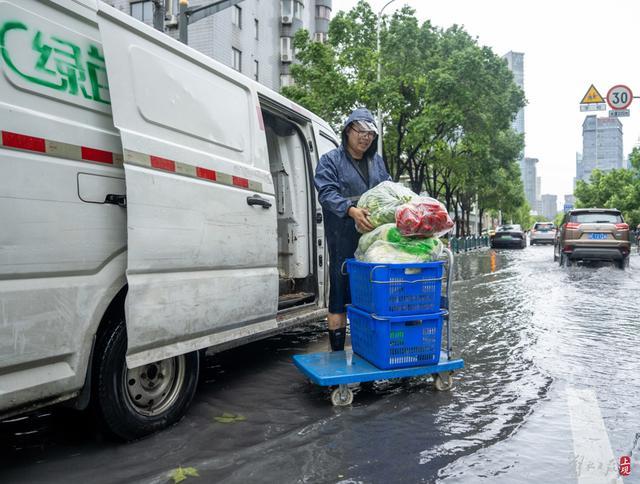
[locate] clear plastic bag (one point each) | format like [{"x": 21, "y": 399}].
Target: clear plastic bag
[
  {"x": 386, "y": 244},
  {"x": 384, "y": 252},
  {"x": 382, "y": 200},
  {"x": 423, "y": 217}
]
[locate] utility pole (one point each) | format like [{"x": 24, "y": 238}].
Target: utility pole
[
  {"x": 378, "y": 77},
  {"x": 189, "y": 15}
]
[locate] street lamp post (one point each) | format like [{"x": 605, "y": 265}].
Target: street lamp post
[{"x": 378, "y": 77}]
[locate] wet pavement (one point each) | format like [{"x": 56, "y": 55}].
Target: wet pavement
[{"x": 549, "y": 394}]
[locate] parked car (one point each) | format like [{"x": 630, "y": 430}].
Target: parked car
[
  {"x": 510, "y": 235},
  {"x": 542, "y": 233},
  {"x": 599, "y": 234}
]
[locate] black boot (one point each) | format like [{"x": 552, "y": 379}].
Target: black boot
[{"x": 336, "y": 338}]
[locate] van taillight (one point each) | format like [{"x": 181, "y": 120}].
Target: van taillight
[
  {"x": 572, "y": 225},
  {"x": 622, "y": 226}
]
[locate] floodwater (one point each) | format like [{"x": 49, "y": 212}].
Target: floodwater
[{"x": 549, "y": 393}]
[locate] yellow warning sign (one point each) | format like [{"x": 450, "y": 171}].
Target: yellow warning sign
[{"x": 592, "y": 96}]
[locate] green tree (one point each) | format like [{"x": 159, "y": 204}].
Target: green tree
[
  {"x": 447, "y": 103},
  {"x": 614, "y": 189}
]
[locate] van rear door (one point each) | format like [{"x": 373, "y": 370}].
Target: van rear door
[{"x": 202, "y": 243}]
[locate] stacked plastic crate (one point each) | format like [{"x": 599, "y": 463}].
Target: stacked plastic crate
[{"x": 395, "y": 316}]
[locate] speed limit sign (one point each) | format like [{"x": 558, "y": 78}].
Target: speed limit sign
[{"x": 619, "y": 97}]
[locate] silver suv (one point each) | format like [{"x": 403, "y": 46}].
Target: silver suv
[{"x": 542, "y": 233}]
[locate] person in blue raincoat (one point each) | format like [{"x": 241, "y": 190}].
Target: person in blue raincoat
[{"x": 342, "y": 176}]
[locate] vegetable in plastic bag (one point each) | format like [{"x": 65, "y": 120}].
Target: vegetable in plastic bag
[
  {"x": 423, "y": 217},
  {"x": 396, "y": 248},
  {"x": 382, "y": 200},
  {"x": 388, "y": 253}
]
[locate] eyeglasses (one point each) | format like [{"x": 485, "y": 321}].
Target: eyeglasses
[{"x": 364, "y": 134}]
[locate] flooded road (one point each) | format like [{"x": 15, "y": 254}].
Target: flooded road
[{"x": 550, "y": 393}]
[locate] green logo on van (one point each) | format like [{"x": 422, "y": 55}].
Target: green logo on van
[{"x": 54, "y": 62}]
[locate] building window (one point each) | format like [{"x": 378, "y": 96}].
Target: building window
[
  {"x": 256, "y": 70},
  {"x": 286, "y": 52},
  {"x": 298, "y": 8},
  {"x": 237, "y": 16},
  {"x": 320, "y": 37},
  {"x": 323, "y": 12},
  {"x": 256, "y": 25},
  {"x": 236, "y": 60},
  {"x": 142, "y": 11}
]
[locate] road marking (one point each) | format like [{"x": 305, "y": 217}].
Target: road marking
[{"x": 594, "y": 459}]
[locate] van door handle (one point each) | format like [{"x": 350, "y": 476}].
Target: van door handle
[
  {"x": 119, "y": 200},
  {"x": 258, "y": 200}
]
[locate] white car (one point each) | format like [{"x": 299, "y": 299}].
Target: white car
[{"x": 542, "y": 233}]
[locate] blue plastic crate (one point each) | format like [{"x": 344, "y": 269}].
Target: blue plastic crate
[
  {"x": 398, "y": 341},
  {"x": 395, "y": 289}
]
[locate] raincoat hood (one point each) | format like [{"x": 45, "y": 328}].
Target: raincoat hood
[{"x": 361, "y": 114}]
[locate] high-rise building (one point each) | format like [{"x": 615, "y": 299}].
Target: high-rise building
[
  {"x": 529, "y": 181},
  {"x": 601, "y": 145},
  {"x": 549, "y": 206},
  {"x": 252, "y": 36},
  {"x": 515, "y": 63}
]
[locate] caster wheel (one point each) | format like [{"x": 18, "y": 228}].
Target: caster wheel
[
  {"x": 342, "y": 396},
  {"x": 443, "y": 381}
]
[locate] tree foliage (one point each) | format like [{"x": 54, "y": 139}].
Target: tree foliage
[
  {"x": 447, "y": 104},
  {"x": 613, "y": 189}
]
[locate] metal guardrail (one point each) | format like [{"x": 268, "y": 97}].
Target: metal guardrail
[{"x": 465, "y": 244}]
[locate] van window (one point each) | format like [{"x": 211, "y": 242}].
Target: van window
[{"x": 325, "y": 144}]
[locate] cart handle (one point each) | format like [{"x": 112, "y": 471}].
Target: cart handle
[
  {"x": 431, "y": 279},
  {"x": 442, "y": 312}
]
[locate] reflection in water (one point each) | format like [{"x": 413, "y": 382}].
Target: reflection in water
[
  {"x": 582, "y": 331},
  {"x": 527, "y": 329}
]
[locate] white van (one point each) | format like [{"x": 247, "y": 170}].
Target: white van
[{"x": 153, "y": 203}]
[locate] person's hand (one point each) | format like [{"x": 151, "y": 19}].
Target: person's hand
[{"x": 360, "y": 216}]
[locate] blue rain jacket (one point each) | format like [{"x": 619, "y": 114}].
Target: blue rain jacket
[
  {"x": 340, "y": 185},
  {"x": 338, "y": 181}
]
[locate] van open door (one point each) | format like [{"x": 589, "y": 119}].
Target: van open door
[{"x": 202, "y": 241}]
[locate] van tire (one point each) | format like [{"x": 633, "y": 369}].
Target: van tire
[{"x": 120, "y": 391}]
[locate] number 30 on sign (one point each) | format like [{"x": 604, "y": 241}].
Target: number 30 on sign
[{"x": 619, "y": 97}]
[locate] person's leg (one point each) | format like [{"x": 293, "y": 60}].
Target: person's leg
[
  {"x": 341, "y": 247},
  {"x": 337, "y": 323}
]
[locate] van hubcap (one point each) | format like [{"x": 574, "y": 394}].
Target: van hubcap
[{"x": 153, "y": 388}]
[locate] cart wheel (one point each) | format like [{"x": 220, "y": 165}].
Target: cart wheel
[
  {"x": 342, "y": 396},
  {"x": 443, "y": 381}
]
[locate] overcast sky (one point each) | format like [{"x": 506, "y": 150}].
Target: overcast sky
[{"x": 567, "y": 46}]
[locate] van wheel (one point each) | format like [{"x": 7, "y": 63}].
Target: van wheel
[
  {"x": 136, "y": 402},
  {"x": 623, "y": 263}
]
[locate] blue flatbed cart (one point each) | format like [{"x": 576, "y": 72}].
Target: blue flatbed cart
[{"x": 342, "y": 368}]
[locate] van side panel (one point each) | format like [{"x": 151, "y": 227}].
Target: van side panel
[
  {"x": 202, "y": 258},
  {"x": 62, "y": 248}
]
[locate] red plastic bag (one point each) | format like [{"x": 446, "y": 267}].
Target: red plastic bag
[{"x": 423, "y": 217}]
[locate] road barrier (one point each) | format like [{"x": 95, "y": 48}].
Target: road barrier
[{"x": 465, "y": 244}]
